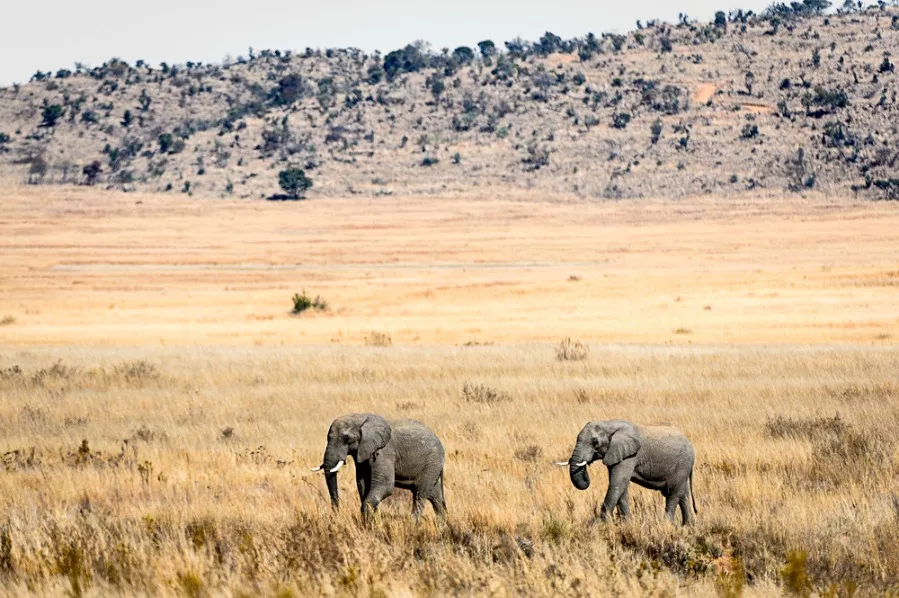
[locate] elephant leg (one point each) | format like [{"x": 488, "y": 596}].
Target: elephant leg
[
  {"x": 624, "y": 504},
  {"x": 437, "y": 499},
  {"x": 382, "y": 478},
  {"x": 363, "y": 480},
  {"x": 686, "y": 513},
  {"x": 619, "y": 478},
  {"x": 418, "y": 505},
  {"x": 671, "y": 501}
]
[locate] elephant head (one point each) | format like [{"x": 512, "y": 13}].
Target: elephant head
[
  {"x": 611, "y": 441},
  {"x": 360, "y": 435}
]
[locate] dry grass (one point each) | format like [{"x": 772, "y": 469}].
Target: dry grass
[
  {"x": 181, "y": 467},
  {"x": 155, "y": 496}
]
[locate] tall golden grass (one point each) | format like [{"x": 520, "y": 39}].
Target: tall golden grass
[
  {"x": 160, "y": 407},
  {"x": 187, "y": 470}
]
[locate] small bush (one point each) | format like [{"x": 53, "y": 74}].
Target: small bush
[
  {"x": 572, "y": 350},
  {"x": 378, "y": 339},
  {"x": 800, "y": 428},
  {"x": 50, "y": 115},
  {"x": 483, "y": 394},
  {"x": 620, "y": 120},
  {"x": 7, "y": 320},
  {"x": 750, "y": 131},
  {"x": 529, "y": 454},
  {"x": 656, "y": 131},
  {"x": 302, "y": 302}
]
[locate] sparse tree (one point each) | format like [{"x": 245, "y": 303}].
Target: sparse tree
[
  {"x": 487, "y": 49},
  {"x": 656, "y": 131},
  {"x": 721, "y": 19},
  {"x": 50, "y": 115},
  {"x": 92, "y": 172},
  {"x": 294, "y": 182}
]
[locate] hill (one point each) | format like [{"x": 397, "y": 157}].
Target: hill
[{"x": 793, "y": 100}]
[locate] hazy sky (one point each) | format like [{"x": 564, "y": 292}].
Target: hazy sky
[{"x": 56, "y": 33}]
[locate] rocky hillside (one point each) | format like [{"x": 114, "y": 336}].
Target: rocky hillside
[{"x": 791, "y": 101}]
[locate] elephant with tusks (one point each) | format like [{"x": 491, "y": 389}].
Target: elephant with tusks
[
  {"x": 655, "y": 457},
  {"x": 401, "y": 453}
]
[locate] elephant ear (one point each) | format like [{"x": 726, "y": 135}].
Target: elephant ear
[
  {"x": 625, "y": 443},
  {"x": 374, "y": 435}
]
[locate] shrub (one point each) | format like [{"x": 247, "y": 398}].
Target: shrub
[
  {"x": 378, "y": 339},
  {"x": 302, "y": 302},
  {"x": 572, "y": 350},
  {"x": 656, "y": 131},
  {"x": 886, "y": 66},
  {"x": 890, "y": 187},
  {"x": 804, "y": 428},
  {"x": 92, "y": 172},
  {"x": 620, "y": 120},
  {"x": 165, "y": 143},
  {"x": 750, "y": 131},
  {"x": 487, "y": 49},
  {"x": 463, "y": 55},
  {"x": 294, "y": 182},
  {"x": 50, "y": 115},
  {"x": 290, "y": 89},
  {"x": 483, "y": 394}
]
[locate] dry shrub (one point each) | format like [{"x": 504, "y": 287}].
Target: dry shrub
[
  {"x": 572, "y": 350},
  {"x": 529, "y": 454},
  {"x": 147, "y": 434},
  {"x": 378, "y": 339},
  {"x": 483, "y": 394},
  {"x": 136, "y": 372},
  {"x": 850, "y": 456},
  {"x": 804, "y": 428},
  {"x": 582, "y": 396},
  {"x": 7, "y": 320}
]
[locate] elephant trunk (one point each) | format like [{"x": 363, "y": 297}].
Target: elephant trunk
[
  {"x": 579, "y": 475},
  {"x": 334, "y": 455},
  {"x": 331, "y": 481}
]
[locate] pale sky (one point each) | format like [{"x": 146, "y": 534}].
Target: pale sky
[{"x": 55, "y": 34}]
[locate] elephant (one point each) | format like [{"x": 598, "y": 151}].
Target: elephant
[
  {"x": 655, "y": 457},
  {"x": 400, "y": 453}
]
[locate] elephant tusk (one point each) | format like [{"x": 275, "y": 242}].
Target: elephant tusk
[
  {"x": 582, "y": 464},
  {"x": 337, "y": 467},
  {"x": 319, "y": 468},
  {"x": 562, "y": 463}
]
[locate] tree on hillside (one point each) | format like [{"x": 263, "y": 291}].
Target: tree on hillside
[
  {"x": 463, "y": 55},
  {"x": 294, "y": 182},
  {"x": 50, "y": 115},
  {"x": 487, "y": 48}
]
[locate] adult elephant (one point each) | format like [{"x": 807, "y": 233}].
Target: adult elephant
[
  {"x": 401, "y": 453},
  {"x": 655, "y": 457}
]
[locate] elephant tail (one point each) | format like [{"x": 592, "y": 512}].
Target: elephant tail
[
  {"x": 693, "y": 494},
  {"x": 442, "y": 495}
]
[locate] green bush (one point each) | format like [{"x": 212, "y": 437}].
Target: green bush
[
  {"x": 302, "y": 302},
  {"x": 294, "y": 182},
  {"x": 50, "y": 115},
  {"x": 750, "y": 131}
]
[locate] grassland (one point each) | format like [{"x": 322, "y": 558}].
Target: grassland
[{"x": 160, "y": 408}]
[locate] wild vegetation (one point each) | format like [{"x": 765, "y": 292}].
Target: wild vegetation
[
  {"x": 161, "y": 404},
  {"x": 797, "y": 99},
  {"x": 187, "y": 473}
]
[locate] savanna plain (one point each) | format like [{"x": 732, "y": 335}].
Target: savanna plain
[{"x": 160, "y": 406}]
